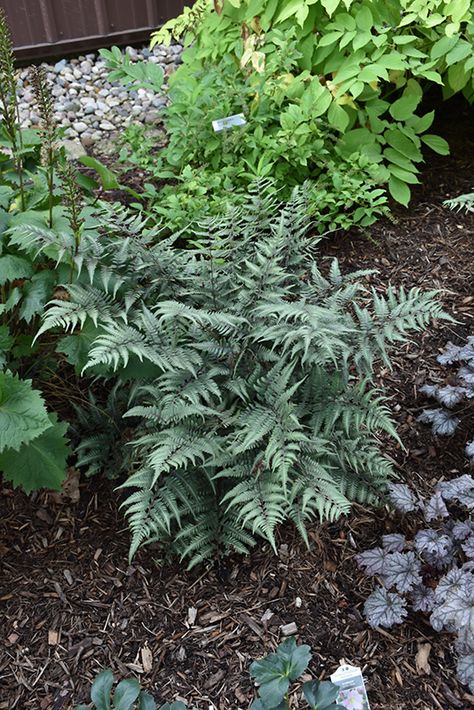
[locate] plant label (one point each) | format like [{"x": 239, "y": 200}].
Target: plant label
[
  {"x": 224, "y": 124},
  {"x": 352, "y": 692}
]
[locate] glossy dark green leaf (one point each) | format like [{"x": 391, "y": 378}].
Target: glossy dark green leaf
[
  {"x": 126, "y": 692},
  {"x": 100, "y": 691}
]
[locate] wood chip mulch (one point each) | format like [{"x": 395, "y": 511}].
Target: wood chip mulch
[{"x": 70, "y": 604}]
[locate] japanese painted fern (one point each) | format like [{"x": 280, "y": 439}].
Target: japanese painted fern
[{"x": 252, "y": 371}]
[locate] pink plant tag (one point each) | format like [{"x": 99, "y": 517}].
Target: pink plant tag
[{"x": 352, "y": 694}]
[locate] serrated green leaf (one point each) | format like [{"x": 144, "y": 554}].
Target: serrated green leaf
[
  {"x": 14, "y": 267},
  {"x": 399, "y": 190},
  {"x": 126, "y": 692},
  {"x": 100, "y": 691},
  {"x": 436, "y": 143},
  {"x": 36, "y": 293},
  {"x": 41, "y": 463},
  {"x": 23, "y": 416}
]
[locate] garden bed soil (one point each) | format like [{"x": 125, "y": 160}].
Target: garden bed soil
[{"x": 70, "y": 603}]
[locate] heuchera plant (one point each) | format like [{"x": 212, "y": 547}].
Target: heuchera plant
[
  {"x": 444, "y": 420},
  {"x": 433, "y": 573}
]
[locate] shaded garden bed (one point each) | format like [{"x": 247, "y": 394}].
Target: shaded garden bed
[{"x": 71, "y": 604}]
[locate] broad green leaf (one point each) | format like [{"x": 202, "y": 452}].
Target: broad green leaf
[
  {"x": 399, "y": 190},
  {"x": 36, "y": 293},
  {"x": 442, "y": 47},
  {"x": 100, "y": 691},
  {"x": 395, "y": 157},
  {"x": 13, "y": 268},
  {"x": 6, "y": 344},
  {"x": 330, "y": 6},
  {"x": 107, "y": 177},
  {"x": 6, "y": 194},
  {"x": 459, "y": 52},
  {"x": 320, "y": 694},
  {"x": 337, "y": 117},
  {"x": 457, "y": 77},
  {"x": 177, "y": 705},
  {"x": 420, "y": 124},
  {"x": 436, "y": 143},
  {"x": 403, "y": 108},
  {"x": 146, "y": 702},
  {"x": 126, "y": 692},
  {"x": 40, "y": 463},
  {"x": 23, "y": 416},
  {"x": 403, "y": 175},
  {"x": 289, "y": 9},
  {"x": 404, "y": 145},
  {"x": 364, "y": 19}
]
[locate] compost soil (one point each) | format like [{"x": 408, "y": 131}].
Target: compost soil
[{"x": 71, "y": 604}]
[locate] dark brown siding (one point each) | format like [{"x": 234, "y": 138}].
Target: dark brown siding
[{"x": 43, "y": 28}]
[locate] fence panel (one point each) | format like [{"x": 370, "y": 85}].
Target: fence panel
[{"x": 43, "y": 28}]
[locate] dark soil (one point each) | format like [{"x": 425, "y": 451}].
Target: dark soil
[{"x": 71, "y": 604}]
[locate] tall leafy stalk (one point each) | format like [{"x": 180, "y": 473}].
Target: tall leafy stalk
[
  {"x": 45, "y": 104},
  {"x": 72, "y": 200},
  {"x": 8, "y": 101}
]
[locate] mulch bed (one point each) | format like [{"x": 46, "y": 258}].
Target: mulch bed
[{"x": 71, "y": 604}]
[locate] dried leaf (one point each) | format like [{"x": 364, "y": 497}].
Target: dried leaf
[
  {"x": 421, "y": 659},
  {"x": 147, "y": 659}
]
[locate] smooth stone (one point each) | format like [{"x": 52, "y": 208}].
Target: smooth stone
[
  {"x": 80, "y": 126},
  {"x": 73, "y": 149},
  {"x": 107, "y": 126},
  {"x": 59, "y": 66}
]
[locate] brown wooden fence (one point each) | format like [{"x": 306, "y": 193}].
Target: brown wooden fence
[{"x": 43, "y": 28}]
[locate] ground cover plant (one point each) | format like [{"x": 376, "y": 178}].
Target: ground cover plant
[
  {"x": 444, "y": 420},
  {"x": 272, "y": 674},
  {"x": 331, "y": 91},
  {"x": 434, "y": 572},
  {"x": 254, "y": 402}
]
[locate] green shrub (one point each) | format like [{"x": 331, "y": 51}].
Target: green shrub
[
  {"x": 325, "y": 85},
  {"x": 251, "y": 369}
]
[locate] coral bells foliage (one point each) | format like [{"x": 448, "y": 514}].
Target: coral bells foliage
[
  {"x": 252, "y": 403},
  {"x": 444, "y": 420},
  {"x": 444, "y": 551}
]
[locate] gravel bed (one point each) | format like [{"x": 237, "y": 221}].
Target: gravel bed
[{"x": 87, "y": 104}]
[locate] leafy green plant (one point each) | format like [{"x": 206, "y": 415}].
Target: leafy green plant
[
  {"x": 253, "y": 366},
  {"x": 33, "y": 445},
  {"x": 318, "y": 81},
  {"x": 462, "y": 202},
  {"x": 127, "y": 695},
  {"x": 274, "y": 674},
  {"x": 139, "y": 75}
]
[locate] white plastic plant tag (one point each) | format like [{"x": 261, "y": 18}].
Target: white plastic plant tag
[
  {"x": 223, "y": 124},
  {"x": 352, "y": 694}
]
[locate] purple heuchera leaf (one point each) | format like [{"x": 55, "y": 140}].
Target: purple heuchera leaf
[
  {"x": 373, "y": 561},
  {"x": 470, "y": 450},
  {"x": 450, "y": 395},
  {"x": 461, "y": 530},
  {"x": 432, "y": 542},
  {"x": 401, "y": 497},
  {"x": 452, "y": 353},
  {"x": 422, "y": 598},
  {"x": 465, "y": 670},
  {"x": 460, "y": 489},
  {"x": 393, "y": 542},
  {"x": 452, "y": 581},
  {"x": 402, "y": 570},
  {"x": 468, "y": 547},
  {"x": 436, "y": 507},
  {"x": 443, "y": 423},
  {"x": 466, "y": 376},
  {"x": 384, "y": 608}
]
